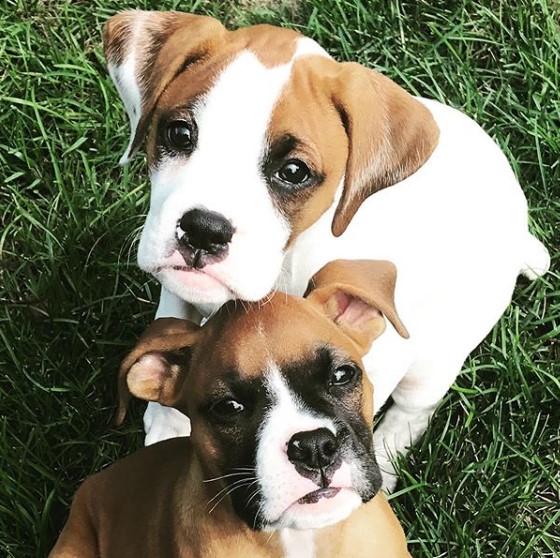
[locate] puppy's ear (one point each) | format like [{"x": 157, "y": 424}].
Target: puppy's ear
[
  {"x": 390, "y": 136},
  {"x": 156, "y": 368},
  {"x": 145, "y": 51},
  {"x": 358, "y": 295}
]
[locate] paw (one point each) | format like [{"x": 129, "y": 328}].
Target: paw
[
  {"x": 388, "y": 473},
  {"x": 162, "y": 423}
]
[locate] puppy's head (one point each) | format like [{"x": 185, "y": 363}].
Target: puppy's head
[
  {"x": 280, "y": 405},
  {"x": 251, "y": 135}
]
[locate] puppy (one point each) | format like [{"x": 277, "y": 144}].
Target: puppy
[
  {"x": 269, "y": 159},
  {"x": 280, "y": 462}
]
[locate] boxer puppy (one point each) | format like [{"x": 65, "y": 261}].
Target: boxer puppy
[{"x": 280, "y": 461}]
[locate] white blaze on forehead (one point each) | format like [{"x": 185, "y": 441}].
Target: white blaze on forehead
[
  {"x": 287, "y": 405},
  {"x": 224, "y": 172},
  {"x": 280, "y": 482},
  {"x": 240, "y": 105}
]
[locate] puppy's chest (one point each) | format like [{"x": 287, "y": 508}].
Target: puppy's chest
[{"x": 297, "y": 544}]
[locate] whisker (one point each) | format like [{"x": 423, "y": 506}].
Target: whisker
[
  {"x": 237, "y": 484},
  {"x": 237, "y": 474},
  {"x": 255, "y": 493},
  {"x": 233, "y": 489},
  {"x": 257, "y": 515}
]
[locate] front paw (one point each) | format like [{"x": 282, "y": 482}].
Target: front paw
[
  {"x": 162, "y": 423},
  {"x": 388, "y": 473}
]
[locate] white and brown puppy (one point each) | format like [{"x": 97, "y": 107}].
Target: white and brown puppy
[
  {"x": 280, "y": 461},
  {"x": 268, "y": 159}
]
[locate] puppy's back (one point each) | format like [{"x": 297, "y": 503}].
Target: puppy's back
[{"x": 128, "y": 501}]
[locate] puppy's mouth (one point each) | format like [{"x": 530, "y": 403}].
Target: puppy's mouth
[
  {"x": 315, "y": 496},
  {"x": 176, "y": 272},
  {"x": 197, "y": 259}
]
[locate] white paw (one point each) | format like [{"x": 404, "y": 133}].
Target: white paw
[
  {"x": 163, "y": 423},
  {"x": 388, "y": 474}
]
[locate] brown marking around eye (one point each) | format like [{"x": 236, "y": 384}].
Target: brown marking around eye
[{"x": 305, "y": 110}]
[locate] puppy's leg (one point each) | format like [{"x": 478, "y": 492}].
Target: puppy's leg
[
  {"x": 162, "y": 423},
  {"x": 415, "y": 399}
]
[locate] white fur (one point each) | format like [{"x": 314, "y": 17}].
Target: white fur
[
  {"x": 456, "y": 229},
  {"x": 162, "y": 423},
  {"x": 281, "y": 484},
  {"x": 224, "y": 169},
  {"x": 298, "y": 544}
]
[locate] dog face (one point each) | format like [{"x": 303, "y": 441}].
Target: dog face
[
  {"x": 250, "y": 135},
  {"x": 280, "y": 406}
]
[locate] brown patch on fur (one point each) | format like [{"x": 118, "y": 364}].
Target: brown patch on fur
[
  {"x": 391, "y": 136},
  {"x": 162, "y": 336},
  {"x": 305, "y": 110},
  {"x": 272, "y": 45},
  {"x": 361, "y": 125},
  {"x": 371, "y": 281},
  {"x": 116, "y": 37}
]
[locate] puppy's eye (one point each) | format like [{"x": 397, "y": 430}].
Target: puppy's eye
[
  {"x": 227, "y": 408},
  {"x": 343, "y": 375},
  {"x": 294, "y": 172},
  {"x": 180, "y": 135}
]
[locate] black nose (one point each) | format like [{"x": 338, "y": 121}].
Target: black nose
[
  {"x": 205, "y": 230},
  {"x": 315, "y": 449}
]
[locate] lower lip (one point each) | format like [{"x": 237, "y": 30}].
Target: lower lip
[
  {"x": 314, "y": 497},
  {"x": 191, "y": 277}
]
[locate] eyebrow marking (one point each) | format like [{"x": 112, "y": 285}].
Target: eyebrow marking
[{"x": 282, "y": 146}]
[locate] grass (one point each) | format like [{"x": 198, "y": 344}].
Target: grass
[{"x": 484, "y": 480}]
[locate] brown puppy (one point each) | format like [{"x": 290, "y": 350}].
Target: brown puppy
[{"x": 280, "y": 462}]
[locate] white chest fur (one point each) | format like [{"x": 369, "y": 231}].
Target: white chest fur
[{"x": 298, "y": 544}]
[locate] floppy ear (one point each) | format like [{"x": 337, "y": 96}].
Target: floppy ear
[
  {"x": 156, "y": 368},
  {"x": 145, "y": 51},
  {"x": 358, "y": 295},
  {"x": 390, "y": 136}
]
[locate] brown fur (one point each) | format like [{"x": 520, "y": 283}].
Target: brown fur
[{"x": 154, "y": 504}]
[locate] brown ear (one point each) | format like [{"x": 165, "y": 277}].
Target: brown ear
[
  {"x": 357, "y": 295},
  {"x": 145, "y": 51},
  {"x": 390, "y": 136},
  {"x": 156, "y": 368}
]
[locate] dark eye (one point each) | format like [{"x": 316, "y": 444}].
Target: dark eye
[
  {"x": 180, "y": 135},
  {"x": 342, "y": 376},
  {"x": 294, "y": 172},
  {"x": 227, "y": 408}
]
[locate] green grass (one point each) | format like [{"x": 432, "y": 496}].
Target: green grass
[{"x": 484, "y": 481}]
